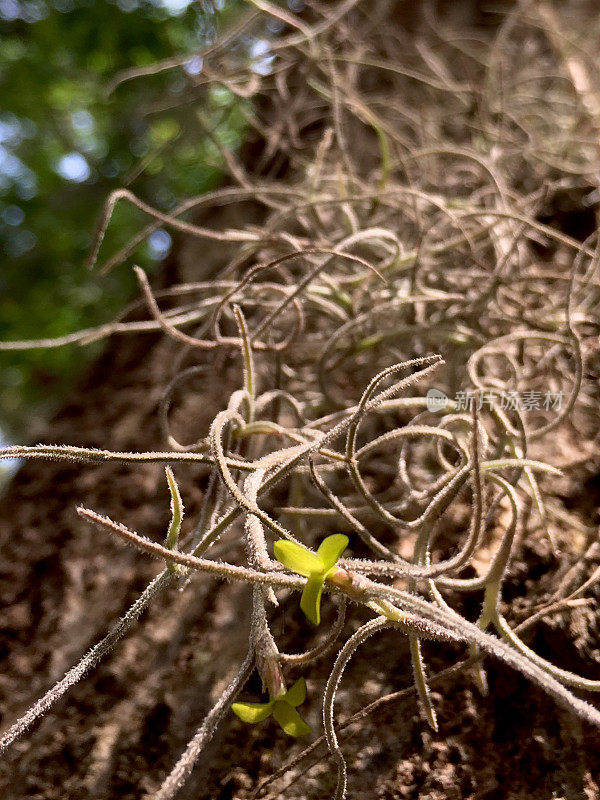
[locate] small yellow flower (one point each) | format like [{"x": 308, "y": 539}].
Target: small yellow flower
[
  {"x": 283, "y": 709},
  {"x": 314, "y": 566}
]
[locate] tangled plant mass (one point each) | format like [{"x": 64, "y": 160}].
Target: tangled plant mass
[{"x": 371, "y": 280}]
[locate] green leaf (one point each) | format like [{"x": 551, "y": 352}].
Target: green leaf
[
  {"x": 311, "y": 597},
  {"x": 297, "y": 694},
  {"x": 289, "y": 719},
  {"x": 252, "y": 712},
  {"x": 176, "y": 516},
  {"x": 332, "y": 548},
  {"x": 297, "y": 558}
]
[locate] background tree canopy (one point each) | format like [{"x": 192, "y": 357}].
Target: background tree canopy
[{"x": 69, "y": 135}]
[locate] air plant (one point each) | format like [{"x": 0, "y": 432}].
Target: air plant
[{"x": 376, "y": 270}]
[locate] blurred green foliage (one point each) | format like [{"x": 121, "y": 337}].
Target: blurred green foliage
[{"x": 66, "y": 143}]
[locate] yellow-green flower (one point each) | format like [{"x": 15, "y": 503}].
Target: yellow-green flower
[
  {"x": 314, "y": 566},
  {"x": 283, "y": 709}
]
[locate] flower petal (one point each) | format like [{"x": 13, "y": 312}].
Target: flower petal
[
  {"x": 297, "y": 558},
  {"x": 311, "y": 597},
  {"x": 297, "y": 694},
  {"x": 332, "y": 548},
  {"x": 289, "y": 719},
  {"x": 252, "y": 712}
]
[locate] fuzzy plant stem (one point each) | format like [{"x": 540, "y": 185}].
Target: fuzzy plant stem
[
  {"x": 87, "y": 662},
  {"x": 205, "y": 732}
]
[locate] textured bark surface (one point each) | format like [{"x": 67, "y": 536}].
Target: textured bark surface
[{"x": 117, "y": 733}]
